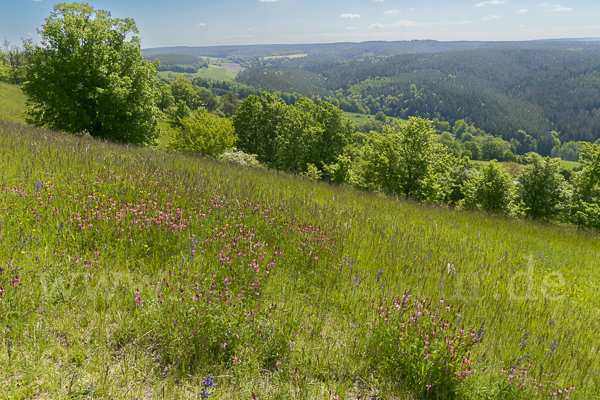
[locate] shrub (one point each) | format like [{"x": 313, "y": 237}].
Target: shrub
[
  {"x": 238, "y": 157},
  {"x": 205, "y": 134}
]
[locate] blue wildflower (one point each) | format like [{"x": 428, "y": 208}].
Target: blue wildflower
[
  {"x": 207, "y": 386},
  {"x": 60, "y": 229},
  {"x": 193, "y": 252},
  {"x": 480, "y": 333},
  {"x": 523, "y": 343}
]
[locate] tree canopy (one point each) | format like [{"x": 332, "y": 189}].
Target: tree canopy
[
  {"x": 205, "y": 134},
  {"x": 291, "y": 138},
  {"x": 399, "y": 160},
  {"x": 86, "y": 77},
  {"x": 541, "y": 187}
]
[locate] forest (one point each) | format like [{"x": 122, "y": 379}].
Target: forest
[
  {"x": 502, "y": 90},
  {"x": 179, "y": 63}
]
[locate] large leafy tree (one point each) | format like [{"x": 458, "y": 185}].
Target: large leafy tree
[
  {"x": 258, "y": 123},
  {"x": 401, "y": 159},
  {"x": 291, "y": 138},
  {"x": 541, "y": 188},
  {"x": 86, "y": 77},
  {"x": 585, "y": 207},
  {"x": 491, "y": 190}
]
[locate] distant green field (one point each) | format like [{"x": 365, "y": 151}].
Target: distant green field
[
  {"x": 214, "y": 71},
  {"x": 290, "y": 56},
  {"x": 163, "y": 141},
  {"x": 12, "y": 102},
  {"x": 569, "y": 164},
  {"x": 566, "y": 164},
  {"x": 358, "y": 117}
]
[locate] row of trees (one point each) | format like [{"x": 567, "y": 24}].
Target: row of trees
[
  {"x": 177, "y": 95},
  {"x": 407, "y": 160},
  {"x": 13, "y": 61}
]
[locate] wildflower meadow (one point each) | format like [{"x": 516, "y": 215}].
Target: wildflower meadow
[{"x": 132, "y": 273}]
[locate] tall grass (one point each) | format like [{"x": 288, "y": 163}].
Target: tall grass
[
  {"x": 128, "y": 272},
  {"x": 12, "y": 102}
]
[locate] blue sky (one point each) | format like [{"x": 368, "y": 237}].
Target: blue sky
[{"x": 230, "y": 22}]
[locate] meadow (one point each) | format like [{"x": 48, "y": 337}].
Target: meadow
[
  {"x": 12, "y": 102},
  {"x": 288, "y": 56},
  {"x": 213, "y": 72},
  {"x": 358, "y": 117},
  {"x": 570, "y": 164},
  {"x": 135, "y": 273}
]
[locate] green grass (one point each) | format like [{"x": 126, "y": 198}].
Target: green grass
[
  {"x": 214, "y": 72},
  {"x": 118, "y": 269},
  {"x": 567, "y": 164},
  {"x": 570, "y": 164},
  {"x": 12, "y": 102},
  {"x": 358, "y": 117}
]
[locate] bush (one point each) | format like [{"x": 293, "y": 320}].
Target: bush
[
  {"x": 238, "y": 157},
  {"x": 205, "y": 134}
]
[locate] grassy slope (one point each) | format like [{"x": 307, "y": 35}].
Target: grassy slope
[
  {"x": 12, "y": 102},
  {"x": 73, "y": 325}
]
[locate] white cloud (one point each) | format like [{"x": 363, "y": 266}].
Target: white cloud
[
  {"x": 379, "y": 0},
  {"x": 202, "y": 24},
  {"x": 492, "y": 17},
  {"x": 401, "y": 24},
  {"x": 352, "y": 28},
  {"x": 405, "y": 23},
  {"x": 268, "y": 1},
  {"x": 522, "y": 11},
  {"x": 29, "y": 33},
  {"x": 559, "y": 8},
  {"x": 392, "y": 11},
  {"x": 490, "y": 2},
  {"x": 555, "y": 7},
  {"x": 350, "y": 16},
  {"x": 460, "y": 23}
]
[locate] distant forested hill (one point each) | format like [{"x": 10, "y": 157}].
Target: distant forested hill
[
  {"x": 178, "y": 62},
  {"x": 353, "y": 50},
  {"x": 503, "y": 89},
  {"x": 343, "y": 50}
]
